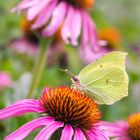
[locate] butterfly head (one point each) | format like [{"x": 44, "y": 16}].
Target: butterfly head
[
  {"x": 76, "y": 83},
  {"x": 75, "y": 79}
]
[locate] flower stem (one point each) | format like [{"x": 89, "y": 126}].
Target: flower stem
[{"x": 39, "y": 67}]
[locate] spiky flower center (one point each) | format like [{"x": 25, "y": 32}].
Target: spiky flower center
[
  {"x": 71, "y": 107},
  {"x": 134, "y": 126},
  {"x": 85, "y": 4}
]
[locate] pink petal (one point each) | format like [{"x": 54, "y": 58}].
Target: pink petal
[
  {"x": 46, "y": 132},
  {"x": 78, "y": 134},
  {"x": 45, "y": 15},
  {"x": 27, "y": 128},
  {"x": 99, "y": 133},
  {"x": 35, "y": 10},
  {"x": 67, "y": 133},
  {"x": 76, "y": 26},
  {"x": 84, "y": 39},
  {"x": 88, "y": 55},
  {"x": 57, "y": 20},
  {"x": 91, "y": 135},
  {"x": 66, "y": 30},
  {"x": 26, "y": 4},
  {"x": 116, "y": 129},
  {"x": 89, "y": 35},
  {"x": 92, "y": 33},
  {"x": 20, "y": 108},
  {"x": 23, "y": 5}
]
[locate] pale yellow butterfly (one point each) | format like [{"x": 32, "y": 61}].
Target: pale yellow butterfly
[{"x": 105, "y": 80}]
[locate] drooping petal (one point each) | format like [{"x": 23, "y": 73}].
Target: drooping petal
[
  {"x": 20, "y": 108},
  {"x": 67, "y": 133},
  {"x": 66, "y": 30},
  {"x": 46, "y": 132},
  {"x": 84, "y": 39},
  {"x": 24, "y": 4},
  {"x": 76, "y": 27},
  {"x": 99, "y": 133},
  {"x": 78, "y": 134},
  {"x": 44, "y": 18},
  {"x": 27, "y": 128},
  {"x": 116, "y": 129},
  {"x": 91, "y": 135},
  {"x": 88, "y": 55},
  {"x": 92, "y": 32},
  {"x": 57, "y": 20},
  {"x": 35, "y": 10}
]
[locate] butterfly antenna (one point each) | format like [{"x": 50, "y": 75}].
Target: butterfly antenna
[{"x": 67, "y": 71}]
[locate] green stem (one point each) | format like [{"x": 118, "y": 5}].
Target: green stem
[{"x": 39, "y": 67}]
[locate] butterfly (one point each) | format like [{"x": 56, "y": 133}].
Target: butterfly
[{"x": 105, "y": 80}]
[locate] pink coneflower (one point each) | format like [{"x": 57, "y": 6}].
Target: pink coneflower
[
  {"x": 72, "y": 15},
  {"x": 66, "y": 112},
  {"x": 109, "y": 41},
  {"x": 5, "y": 80},
  {"x": 124, "y": 130}
]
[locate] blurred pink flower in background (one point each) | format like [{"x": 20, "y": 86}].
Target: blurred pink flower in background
[
  {"x": 109, "y": 41},
  {"x": 50, "y": 15},
  {"x": 135, "y": 48},
  {"x": 67, "y": 114},
  {"x": 24, "y": 46},
  {"x": 28, "y": 43},
  {"x": 124, "y": 130},
  {"x": 5, "y": 80}
]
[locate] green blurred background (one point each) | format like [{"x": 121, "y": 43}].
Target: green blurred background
[{"x": 120, "y": 14}]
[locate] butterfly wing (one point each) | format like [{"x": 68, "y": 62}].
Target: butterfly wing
[{"x": 106, "y": 80}]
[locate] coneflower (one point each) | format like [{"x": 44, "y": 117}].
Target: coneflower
[
  {"x": 67, "y": 114},
  {"x": 124, "y": 130},
  {"x": 72, "y": 15}
]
